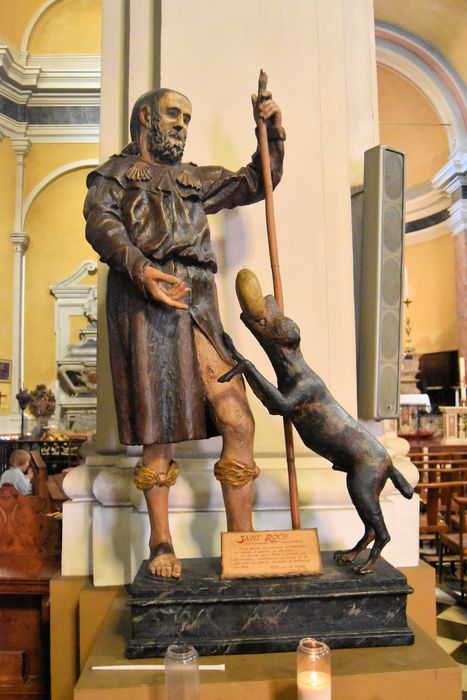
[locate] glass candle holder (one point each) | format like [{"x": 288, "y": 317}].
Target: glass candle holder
[
  {"x": 313, "y": 670},
  {"x": 181, "y": 672}
]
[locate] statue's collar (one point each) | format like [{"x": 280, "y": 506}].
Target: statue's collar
[
  {"x": 130, "y": 171},
  {"x": 163, "y": 177}
]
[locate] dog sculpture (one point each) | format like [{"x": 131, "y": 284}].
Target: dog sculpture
[{"x": 324, "y": 426}]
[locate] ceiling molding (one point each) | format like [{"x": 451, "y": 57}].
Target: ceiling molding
[
  {"x": 428, "y": 234},
  {"x": 449, "y": 173},
  {"x": 424, "y": 201},
  {"x": 458, "y": 218},
  {"x": 11, "y": 128},
  {"x": 49, "y": 133},
  {"x": 42, "y": 71},
  {"x": 70, "y": 99},
  {"x": 49, "y": 98},
  {"x": 24, "y": 77}
]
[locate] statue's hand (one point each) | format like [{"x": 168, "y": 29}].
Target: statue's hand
[
  {"x": 170, "y": 296},
  {"x": 265, "y": 108}
]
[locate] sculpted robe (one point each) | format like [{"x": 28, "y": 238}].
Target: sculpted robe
[{"x": 138, "y": 215}]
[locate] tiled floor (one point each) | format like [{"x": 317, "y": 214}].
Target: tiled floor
[{"x": 452, "y": 631}]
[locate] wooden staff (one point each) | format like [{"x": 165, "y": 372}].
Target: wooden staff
[{"x": 277, "y": 286}]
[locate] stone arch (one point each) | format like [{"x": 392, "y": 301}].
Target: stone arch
[
  {"x": 33, "y": 21},
  {"x": 76, "y": 165},
  {"x": 430, "y": 72}
]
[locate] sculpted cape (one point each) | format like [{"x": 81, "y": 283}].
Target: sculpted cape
[{"x": 137, "y": 215}]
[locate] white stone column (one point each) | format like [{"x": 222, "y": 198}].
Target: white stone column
[{"x": 20, "y": 241}]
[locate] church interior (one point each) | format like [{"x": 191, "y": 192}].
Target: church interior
[{"x": 349, "y": 75}]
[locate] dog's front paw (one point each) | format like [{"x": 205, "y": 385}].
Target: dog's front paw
[
  {"x": 238, "y": 369},
  {"x": 344, "y": 555}
]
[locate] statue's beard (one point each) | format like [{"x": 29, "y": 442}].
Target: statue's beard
[{"x": 166, "y": 146}]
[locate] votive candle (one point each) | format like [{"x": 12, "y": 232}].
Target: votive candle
[{"x": 313, "y": 670}]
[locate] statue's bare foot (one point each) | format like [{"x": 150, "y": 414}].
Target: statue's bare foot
[{"x": 163, "y": 562}]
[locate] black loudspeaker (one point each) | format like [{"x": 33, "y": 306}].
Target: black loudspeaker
[{"x": 381, "y": 284}]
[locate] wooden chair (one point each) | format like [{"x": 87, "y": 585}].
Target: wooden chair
[
  {"x": 436, "y": 489},
  {"x": 455, "y": 542}
]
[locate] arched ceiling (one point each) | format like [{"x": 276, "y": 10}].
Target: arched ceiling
[
  {"x": 410, "y": 123},
  {"x": 68, "y": 27},
  {"x": 441, "y": 23}
]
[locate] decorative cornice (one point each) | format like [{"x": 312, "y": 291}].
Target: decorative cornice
[
  {"x": 424, "y": 201},
  {"x": 69, "y": 99},
  {"x": 88, "y": 63},
  {"x": 13, "y": 66},
  {"x": 15, "y": 94},
  {"x": 31, "y": 84},
  {"x": 447, "y": 178},
  {"x": 63, "y": 133},
  {"x": 49, "y": 133},
  {"x": 69, "y": 283},
  {"x": 458, "y": 219},
  {"x": 41, "y": 70}
]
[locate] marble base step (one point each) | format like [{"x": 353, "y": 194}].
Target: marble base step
[{"x": 245, "y": 616}]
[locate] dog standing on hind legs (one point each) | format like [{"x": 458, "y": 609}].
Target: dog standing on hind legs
[{"x": 324, "y": 426}]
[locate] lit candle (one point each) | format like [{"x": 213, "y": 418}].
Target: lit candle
[
  {"x": 314, "y": 685},
  {"x": 406, "y": 284},
  {"x": 313, "y": 670},
  {"x": 462, "y": 378}
]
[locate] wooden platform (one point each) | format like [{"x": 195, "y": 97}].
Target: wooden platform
[{"x": 421, "y": 670}]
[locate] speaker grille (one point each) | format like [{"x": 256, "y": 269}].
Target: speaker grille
[
  {"x": 381, "y": 284},
  {"x": 392, "y": 222},
  {"x": 392, "y": 239},
  {"x": 393, "y": 174}
]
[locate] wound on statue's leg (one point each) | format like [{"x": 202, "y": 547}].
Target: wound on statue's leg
[{"x": 232, "y": 416}]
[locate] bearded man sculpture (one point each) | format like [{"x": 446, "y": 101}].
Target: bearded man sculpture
[{"x": 146, "y": 217}]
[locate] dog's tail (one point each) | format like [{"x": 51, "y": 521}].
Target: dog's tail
[{"x": 400, "y": 482}]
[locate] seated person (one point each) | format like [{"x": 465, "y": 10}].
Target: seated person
[{"x": 19, "y": 473}]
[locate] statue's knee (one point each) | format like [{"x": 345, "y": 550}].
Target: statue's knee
[
  {"x": 233, "y": 473},
  {"x": 240, "y": 425}
]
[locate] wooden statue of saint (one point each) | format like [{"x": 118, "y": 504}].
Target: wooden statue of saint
[{"x": 146, "y": 214}]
